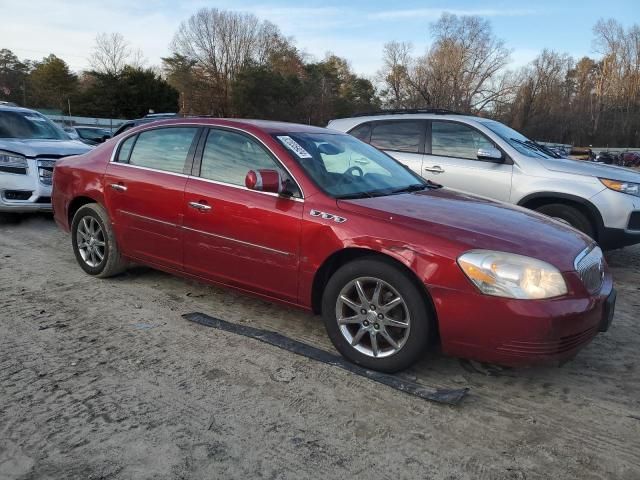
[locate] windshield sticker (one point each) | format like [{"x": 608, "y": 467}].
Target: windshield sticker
[{"x": 294, "y": 146}]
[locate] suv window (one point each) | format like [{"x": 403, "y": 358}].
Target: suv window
[
  {"x": 400, "y": 136},
  {"x": 362, "y": 132},
  {"x": 162, "y": 149},
  {"x": 228, "y": 156},
  {"x": 452, "y": 139}
]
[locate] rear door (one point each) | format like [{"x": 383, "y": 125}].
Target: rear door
[
  {"x": 452, "y": 160},
  {"x": 234, "y": 235},
  {"x": 404, "y": 140},
  {"x": 144, "y": 190}
]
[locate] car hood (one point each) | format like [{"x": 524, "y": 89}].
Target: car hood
[
  {"x": 43, "y": 148},
  {"x": 477, "y": 223},
  {"x": 592, "y": 169}
]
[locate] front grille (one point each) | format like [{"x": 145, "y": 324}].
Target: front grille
[
  {"x": 634, "y": 221},
  {"x": 590, "y": 267},
  {"x": 45, "y": 170}
]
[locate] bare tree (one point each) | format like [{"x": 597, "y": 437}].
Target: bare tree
[
  {"x": 221, "y": 43},
  {"x": 110, "y": 53},
  {"x": 394, "y": 75},
  {"x": 464, "y": 69}
]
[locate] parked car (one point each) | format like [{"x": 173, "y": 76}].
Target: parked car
[
  {"x": 608, "y": 158},
  {"x": 151, "y": 117},
  {"x": 581, "y": 153},
  {"x": 485, "y": 157},
  {"x": 30, "y": 145},
  {"x": 89, "y": 135},
  {"x": 392, "y": 262}
]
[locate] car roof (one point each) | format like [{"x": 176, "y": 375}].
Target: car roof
[
  {"x": 268, "y": 126},
  {"x": 10, "y": 108},
  {"x": 344, "y": 124}
]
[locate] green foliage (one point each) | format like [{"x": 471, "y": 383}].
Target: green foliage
[
  {"x": 51, "y": 83},
  {"x": 13, "y": 75},
  {"x": 129, "y": 94}
]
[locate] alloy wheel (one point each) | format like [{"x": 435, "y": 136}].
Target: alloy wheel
[
  {"x": 373, "y": 317},
  {"x": 90, "y": 240}
]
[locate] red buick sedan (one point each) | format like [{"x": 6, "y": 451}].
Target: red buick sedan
[{"x": 319, "y": 220}]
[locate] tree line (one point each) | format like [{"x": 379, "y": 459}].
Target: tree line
[{"x": 232, "y": 64}]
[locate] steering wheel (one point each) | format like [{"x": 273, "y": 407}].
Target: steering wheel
[{"x": 352, "y": 170}]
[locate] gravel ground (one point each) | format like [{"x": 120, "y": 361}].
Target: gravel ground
[{"x": 103, "y": 379}]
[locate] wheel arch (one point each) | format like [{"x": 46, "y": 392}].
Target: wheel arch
[
  {"x": 348, "y": 254},
  {"x": 537, "y": 200},
  {"x": 77, "y": 202}
]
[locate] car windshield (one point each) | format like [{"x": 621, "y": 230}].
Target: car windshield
[
  {"x": 29, "y": 125},
  {"x": 345, "y": 167},
  {"x": 518, "y": 141}
]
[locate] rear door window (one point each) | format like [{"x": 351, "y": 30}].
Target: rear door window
[
  {"x": 452, "y": 139},
  {"x": 164, "y": 149},
  {"x": 399, "y": 136}
]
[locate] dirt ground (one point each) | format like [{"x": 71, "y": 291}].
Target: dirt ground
[{"x": 103, "y": 379}]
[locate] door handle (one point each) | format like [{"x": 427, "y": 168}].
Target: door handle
[
  {"x": 434, "y": 169},
  {"x": 361, "y": 161},
  {"x": 200, "y": 206},
  {"x": 118, "y": 187}
]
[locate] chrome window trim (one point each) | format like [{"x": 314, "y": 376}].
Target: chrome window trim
[
  {"x": 240, "y": 187},
  {"x": 157, "y": 170},
  {"x": 242, "y": 242},
  {"x": 116, "y": 148}
]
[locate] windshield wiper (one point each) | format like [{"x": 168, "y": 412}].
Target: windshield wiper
[
  {"x": 351, "y": 196},
  {"x": 531, "y": 146},
  {"x": 410, "y": 188}
]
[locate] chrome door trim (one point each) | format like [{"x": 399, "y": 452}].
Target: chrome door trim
[
  {"x": 126, "y": 212},
  {"x": 208, "y": 126},
  {"x": 241, "y": 187},
  {"x": 151, "y": 169},
  {"x": 242, "y": 242}
]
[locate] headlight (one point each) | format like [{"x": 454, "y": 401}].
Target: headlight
[
  {"x": 512, "y": 276},
  {"x": 12, "y": 163},
  {"x": 624, "y": 187}
]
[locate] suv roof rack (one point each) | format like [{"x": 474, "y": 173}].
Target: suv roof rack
[{"x": 436, "y": 111}]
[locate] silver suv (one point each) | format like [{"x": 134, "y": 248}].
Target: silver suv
[
  {"x": 487, "y": 158},
  {"x": 30, "y": 145}
]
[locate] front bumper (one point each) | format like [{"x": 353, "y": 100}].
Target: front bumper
[
  {"x": 612, "y": 238},
  {"x": 25, "y": 192},
  {"x": 521, "y": 333}
]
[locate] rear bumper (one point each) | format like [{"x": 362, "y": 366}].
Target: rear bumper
[{"x": 521, "y": 333}]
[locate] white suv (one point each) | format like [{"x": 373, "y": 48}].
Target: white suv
[
  {"x": 487, "y": 158},
  {"x": 30, "y": 145}
]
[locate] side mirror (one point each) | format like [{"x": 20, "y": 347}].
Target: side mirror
[
  {"x": 264, "y": 181},
  {"x": 491, "y": 154}
]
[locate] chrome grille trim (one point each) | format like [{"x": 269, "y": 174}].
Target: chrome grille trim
[
  {"x": 589, "y": 265},
  {"x": 45, "y": 165}
]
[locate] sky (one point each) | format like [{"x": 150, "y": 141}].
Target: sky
[{"x": 356, "y": 30}]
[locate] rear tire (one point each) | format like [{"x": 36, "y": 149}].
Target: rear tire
[
  {"x": 570, "y": 215},
  {"x": 355, "y": 310},
  {"x": 94, "y": 242}
]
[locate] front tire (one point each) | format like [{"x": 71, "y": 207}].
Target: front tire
[
  {"x": 94, "y": 242},
  {"x": 376, "y": 316},
  {"x": 569, "y": 215}
]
